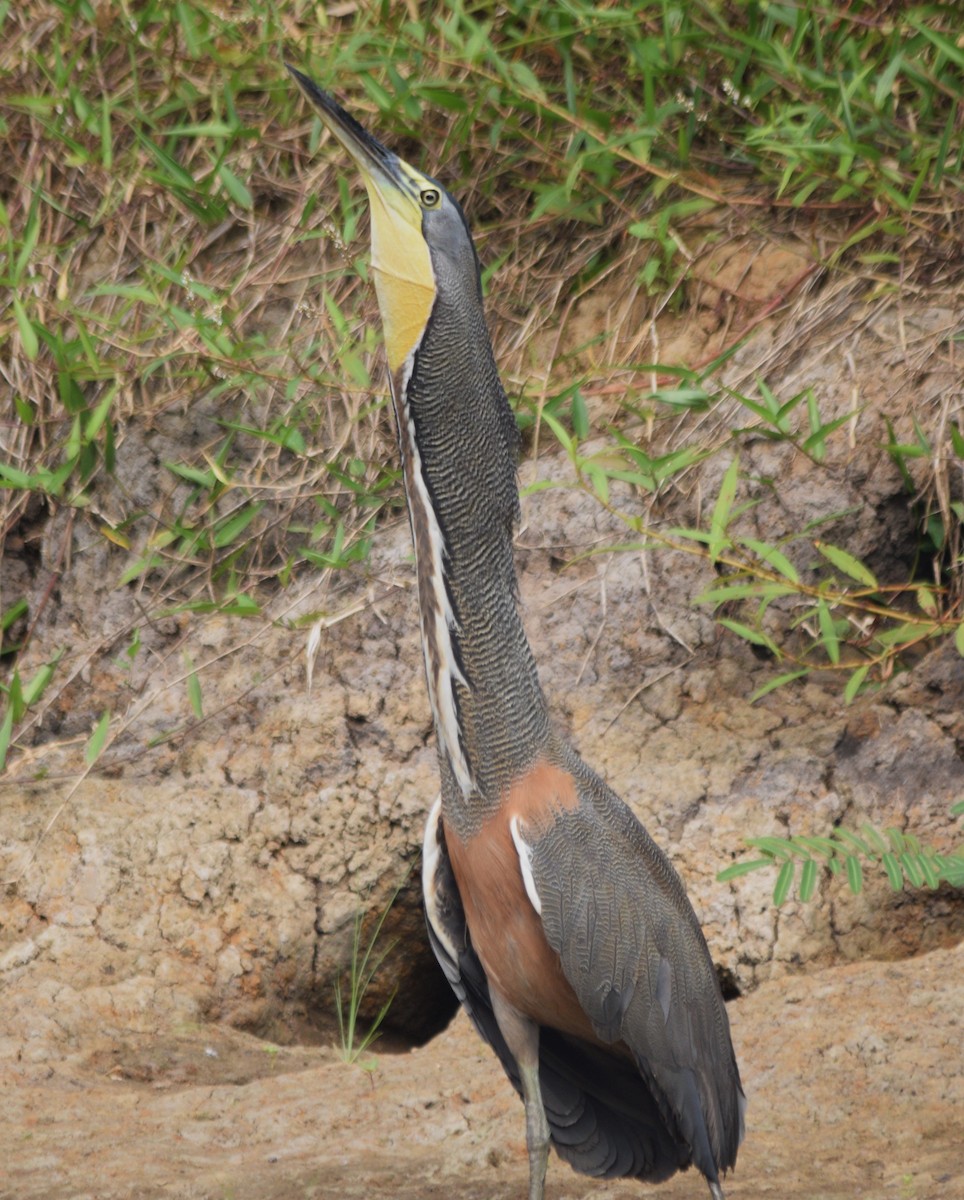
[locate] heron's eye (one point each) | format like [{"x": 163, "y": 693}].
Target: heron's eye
[{"x": 430, "y": 197}]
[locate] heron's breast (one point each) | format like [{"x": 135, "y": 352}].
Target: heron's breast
[{"x": 506, "y": 930}]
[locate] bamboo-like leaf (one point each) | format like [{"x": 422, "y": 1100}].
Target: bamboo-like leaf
[
  {"x": 527, "y": 80},
  {"x": 772, "y": 557},
  {"x": 235, "y": 188},
  {"x": 28, "y": 335},
  {"x": 97, "y": 739},
  {"x": 773, "y": 684},
  {"x": 562, "y": 436},
  {"x": 38, "y": 684},
  {"x": 194, "y": 694},
  {"x": 751, "y": 635},
  {"x": 6, "y": 730},
  {"x": 580, "y": 415},
  {"x": 692, "y": 535},
  {"x": 815, "y": 444},
  {"x": 828, "y": 634},
  {"x": 847, "y": 563},
  {"x": 235, "y": 525},
  {"x": 854, "y": 683},
  {"x": 721, "y": 511},
  {"x": 724, "y": 592}
]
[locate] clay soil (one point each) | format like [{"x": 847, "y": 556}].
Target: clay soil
[{"x": 853, "y": 1076}]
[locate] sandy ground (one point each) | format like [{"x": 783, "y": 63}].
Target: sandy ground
[{"x": 855, "y": 1079}]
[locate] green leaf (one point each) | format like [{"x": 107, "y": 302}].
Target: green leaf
[
  {"x": 776, "y": 682},
  {"x": 808, "y": 879},
  {"x": 148, "y": 563},
  {"x": 847, "y": 563},
  {"x": 203, "y": 479},
  {"x": 97, "y": 738},
  {"x": 241, "y": 605},
  {"x": 777, "y": 847},
  {"x": 13, "y": 477},
  {"x": 194, "y": 695},
  {"x": 750, "y": 635},
  {"x": 895, "y": 876},
  {"x": 6, "y": 730},
  {"x": 911, "y": 869},
  {"x": 562, "y": 436},
  {"x": 825, "y": 847},
  {"x": 233, "y": 526},
  {"x": 873, "y": 838},
  {"x": 784, "y": 882},
  {"x": 828, "y": 634},
  {"x": 951, "y": 868},
  {"x": 743, "y": 868},
  {"x": 855, "y": 876},
  {"x": 726, "y": 591},
  {"x": 854, "y": 683},
  {"x": 234, "y": 187},
  {"x": 773, "y": 557},
  {"x": 13, "y": 613},
  {"x": 959, "y": 639},
  {"x": 28, "y": 335},
  {"x": 931, "y": 877},
  {"x": 526, "y": 79},
  {"x": 174, "y": 173},
  {"x": 847, "y": 838},
  {"x": 38, "y": 685},
  {"x": 721, "y": 511},
  {"x": 690, "y": 398},
  {"x": 580, "y": 415}
]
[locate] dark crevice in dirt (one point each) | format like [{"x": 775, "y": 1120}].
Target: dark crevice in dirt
[{"x": 728, "y": 983}]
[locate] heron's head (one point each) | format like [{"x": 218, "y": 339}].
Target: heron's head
[{"x": 420, "y": 240}]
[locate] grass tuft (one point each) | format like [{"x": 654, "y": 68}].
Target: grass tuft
[{"x": 172, "y": 247}]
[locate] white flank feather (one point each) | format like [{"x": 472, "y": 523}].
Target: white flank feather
[{"x": 524, "y": 851}]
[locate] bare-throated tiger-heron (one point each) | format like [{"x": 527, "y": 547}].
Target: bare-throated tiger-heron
[{"x": 561, "y": 926}]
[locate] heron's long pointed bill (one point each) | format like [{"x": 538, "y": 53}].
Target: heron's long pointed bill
[{"x": 404, "y": 279}]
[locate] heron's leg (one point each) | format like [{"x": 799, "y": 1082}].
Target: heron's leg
[
  {"x": 716, "y": 1191},
  {"x": 522, "y": 1037}
]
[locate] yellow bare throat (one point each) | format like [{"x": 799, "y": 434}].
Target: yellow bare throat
[{"x": 404, "y": 280}]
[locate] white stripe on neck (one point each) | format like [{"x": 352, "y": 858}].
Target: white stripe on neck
[{"x": 435, "y": 610}]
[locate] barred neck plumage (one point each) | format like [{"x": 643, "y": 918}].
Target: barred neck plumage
[{"x": 458, "y": 440}]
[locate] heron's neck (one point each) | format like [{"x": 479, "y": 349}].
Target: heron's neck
[{"x": 458, "y": 441}]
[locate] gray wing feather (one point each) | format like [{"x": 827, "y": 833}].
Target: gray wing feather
[{"x": 616, "y": 912}]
